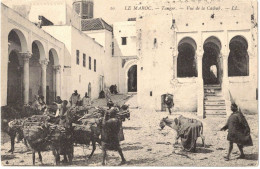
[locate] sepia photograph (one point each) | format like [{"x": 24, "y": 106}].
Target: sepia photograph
[{"x": 129, "y": 83}]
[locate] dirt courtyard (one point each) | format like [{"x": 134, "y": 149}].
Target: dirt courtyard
[{"x": 146, "y": 145}]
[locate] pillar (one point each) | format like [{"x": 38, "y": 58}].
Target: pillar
[
  {"x": 225, "y": 84},
  {"x": 26, "y": 78},
  {"x": 225, "y": 67},
  {"x": 44, "y": 64},
  {"x": 57, "y": 69},
  {"x": 199, "y": 68},
  {"x": 200, "y": 87}
]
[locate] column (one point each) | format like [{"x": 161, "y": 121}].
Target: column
[
  {"x": 44, "y": 64},
  {"x": 225, "y": 66},
  {"x": 174, "y": 66},
  {"x": 26, "y": 78},
  {"x": 225, "y": 75},
  {"x": 57, "y": 69},
  {"x": 200, "y": 87},
  {"x": 199, "y": 68},
  {"x": 225, "y": 83}
]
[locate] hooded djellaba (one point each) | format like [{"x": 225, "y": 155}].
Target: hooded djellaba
[{"x": 238, "y": 128}]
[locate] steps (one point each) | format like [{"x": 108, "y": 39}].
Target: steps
[{"x": 214, "y": 103}]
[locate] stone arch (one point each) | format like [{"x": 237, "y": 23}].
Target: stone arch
[
  {"x": 127, "y": 66},
  {"x": 55, "y": 56},
  {"x": 186, "y": 59},
  {"x": 21, "y": 39},
  {"x": 35, "y": 85},
  {"x": 41, "y": 49},
  {"x": 238, "y": 59},
  {"x": 132, "y": 79},
  {"x": 16, "y": 43},
  {"x": 50, "y": 77},
  {"x": 213, "y": 40},
  {"x": 14, "y": 84},
  {"x": 188, "y": 40},
  {"x": 211, "y": 62}
]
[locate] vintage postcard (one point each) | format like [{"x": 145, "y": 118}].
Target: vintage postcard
[{"x": 129, "y": 83}]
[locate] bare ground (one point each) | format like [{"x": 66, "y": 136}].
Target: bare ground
[{"x": 146, "y": 145}]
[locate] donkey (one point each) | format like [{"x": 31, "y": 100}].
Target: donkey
[
  {"x": 182, "y": 125},
  {"x": 85, "y": 129}
]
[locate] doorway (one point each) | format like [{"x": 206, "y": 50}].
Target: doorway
[
  {"x": 132, "y": 79},
  {"x": 212, "y": 63}
]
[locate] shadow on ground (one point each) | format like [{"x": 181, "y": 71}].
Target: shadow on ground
[
  {"x": 129, "y": 148},
  {"x": 7, "y": 157},
  {"x": 203, "y": 150},
  {"x": 131, "y": 128},
  {"x": 252, "y": 157},
  {"x": 140, "y": 161}
]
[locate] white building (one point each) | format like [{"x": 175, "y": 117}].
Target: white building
[
  {"x": 56, "y": 56},
  {"x": 176, "y": 52},
  {"x": 156, "y": 52},
  {"x": 125, "y": 52},
  {"x": 22, "y": 41}
]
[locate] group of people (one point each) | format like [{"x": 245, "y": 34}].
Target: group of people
[
  {"x": 75, "y": 99},
  {"x": 112, "y": 131},
  {"x": 237, "y": 126}
]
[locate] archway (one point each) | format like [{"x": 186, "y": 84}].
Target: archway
[
  {"x": 35, "y": 87},
  {"x": 186, "y": 62},
  {"x": 212, "y": 63},
  {"x": 17, "y": 39},
  {"x": 16, "y": 42},
  {"x": 132, "y": 79},
  {"x": 51, "y": 78},
  {"x": 89, "y": 90},
  {"x": 238, "y": 59},
  {"x": 14, "y": 84}
]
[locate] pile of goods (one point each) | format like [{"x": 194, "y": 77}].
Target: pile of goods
[
  {"x": 123, "y": 112},
  {"x": 78, "y": 111}
]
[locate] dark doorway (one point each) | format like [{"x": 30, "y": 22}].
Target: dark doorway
[
  {"x": 163, "y": 104},
  {"x": 14, "y": 84},
  {"x": 211, "y": 63},
  {"x": 89, "y": 90},
  {"x": 132, "y": 79}
]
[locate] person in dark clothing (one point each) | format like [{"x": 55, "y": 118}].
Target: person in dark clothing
[
  {"x": 169, "y": 102},
  {"x": 64, "y": 107},
  {"x": 238, "y": 131},
  {"x": 110, "y": 135},
  {"x": 58, "y": 100},
  {"x": 41, "y": 103},
  {"x": 110, "y": 104},
  {"x": 86, "y": 101}
]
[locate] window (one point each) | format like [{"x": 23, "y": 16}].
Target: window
[
  {"x": 186, "y": 61},
  {"x": 84, "y": 60},
  {"x": 89, "y": 62},
  {"x": 238, "y": 60},
  {"x": 77, "y": 53},
  {"x": 95, "y": 65},
  {"x": 123, "y": 40}
]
